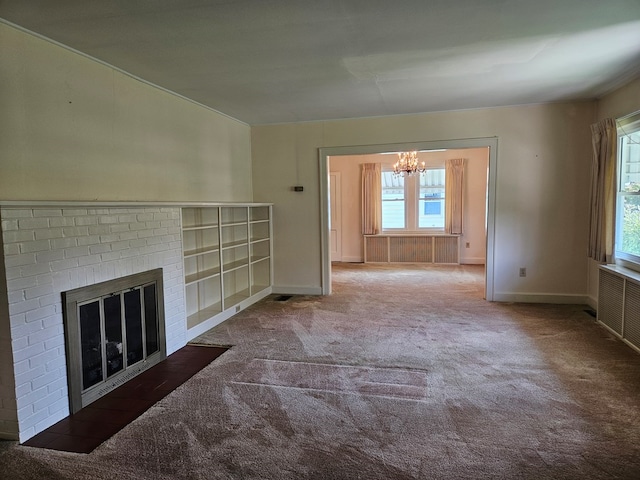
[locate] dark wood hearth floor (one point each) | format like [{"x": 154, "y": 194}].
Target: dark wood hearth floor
[{"x": 95, "y": 423}]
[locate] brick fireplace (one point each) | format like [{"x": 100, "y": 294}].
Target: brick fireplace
[{"x": 49, "y": 249}]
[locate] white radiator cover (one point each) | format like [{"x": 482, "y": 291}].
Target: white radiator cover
[
  {"x": 412, "y": 248},
  {"x": 619, "y": 303}
]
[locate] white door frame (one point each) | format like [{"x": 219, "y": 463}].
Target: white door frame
[{"x": 325, "y": 153}]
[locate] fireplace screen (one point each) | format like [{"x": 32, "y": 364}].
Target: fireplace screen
[{"x": 114, "y": 330}]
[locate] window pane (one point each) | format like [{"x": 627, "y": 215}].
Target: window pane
[
  {"x": 431, "y": 199},
  {"x": 628, "y": 214},
  {"x": 630, "y": 163},
  {"x": 629, "y": 231},
  {"x": 393, "y": 201}
]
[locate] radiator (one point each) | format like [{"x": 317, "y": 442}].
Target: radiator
[
  {"x": 412, "y": 248},
  {"x": 376, "y": 249},
  {"x": 619, "y": 303}
]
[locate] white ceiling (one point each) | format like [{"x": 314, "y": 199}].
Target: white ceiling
[{"x": 272, "y": 61}]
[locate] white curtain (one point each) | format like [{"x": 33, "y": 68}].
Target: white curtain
[
  {"x": 371, "y": 198},
  {"x": 604, "y": 140},
  {"x": 454, "y": 173}
]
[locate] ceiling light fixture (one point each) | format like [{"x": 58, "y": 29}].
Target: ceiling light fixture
[{"x": 408, "y": 164}]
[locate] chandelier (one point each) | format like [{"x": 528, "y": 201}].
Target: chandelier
[{"x": 407, "y": 164}]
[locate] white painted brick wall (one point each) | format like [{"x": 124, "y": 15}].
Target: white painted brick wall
[
  {"x": 8, "y": 414},
  {"x": 51, "y": 250}
]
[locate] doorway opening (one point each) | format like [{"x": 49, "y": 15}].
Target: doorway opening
[{"x": 340, "y": 194}]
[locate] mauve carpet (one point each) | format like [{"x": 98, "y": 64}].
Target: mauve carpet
[{"x": 402, "y": 373}]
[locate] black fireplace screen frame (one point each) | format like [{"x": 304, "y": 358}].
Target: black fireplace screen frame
[{"x": 84, "y": 388}]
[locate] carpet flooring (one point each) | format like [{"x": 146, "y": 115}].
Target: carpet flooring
[{"x": 401, "y": 373}]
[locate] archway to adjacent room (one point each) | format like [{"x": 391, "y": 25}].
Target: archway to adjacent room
[{"x": 327, "y": 183}]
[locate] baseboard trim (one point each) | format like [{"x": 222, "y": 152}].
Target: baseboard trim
[
  {"x": 571, "y": 299},
  {"x": 290, "y": 290},
  {"x": 9, "y": 436},
  {"x": 351, "y": 260},
  {"x": 592, "y": 302},
  {"x": 472, "y": 261}
]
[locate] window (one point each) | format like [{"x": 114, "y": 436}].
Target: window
[
  {"x": 431, "y": 199},
  {"x": 393, "y": 201},
  {"x": 627, "y": 245},
  {"x": 413, "y": 203}
]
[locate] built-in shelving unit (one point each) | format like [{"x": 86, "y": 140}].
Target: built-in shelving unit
[{"x": 228, "y": 263}]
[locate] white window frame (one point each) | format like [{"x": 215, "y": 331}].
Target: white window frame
[
  {"x": 626, "y": 126},
  {"x": 411, "y": 203}
]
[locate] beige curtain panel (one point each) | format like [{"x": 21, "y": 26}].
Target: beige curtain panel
[
  {"x": 454, "y": 176},
  {"x": 604, "y": 139},
  {"x": 371, "y": 199}
]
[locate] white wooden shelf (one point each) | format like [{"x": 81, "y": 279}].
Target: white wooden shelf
[
  {"x": 233, "y": 224},
  {"x": 256, "y": 259},
  {"x": 258, "y": 288},
  {"x": 203, "y": 275},
  {"x": 200, "y": 251},
  {"x": 237, "y": 297},
  {"x": 237, "y": 243},
  {"x": 199, "y": 227},
  {"x": 233, "y": 266},
  {"x": 200, "y": 316},
  {"x": 258, "y": 240}
]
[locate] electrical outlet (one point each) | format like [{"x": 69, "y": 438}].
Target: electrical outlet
[
  {"x": 523, "y": 271},
  {"x": 467, "y": 245}
]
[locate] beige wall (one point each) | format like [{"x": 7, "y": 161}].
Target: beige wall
[
  {"x": 542, "y": 182},
  {"x": 475, "y": 187},
  {"x": 621, "y": 102},
  {"x": 74, "y": 129}
]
